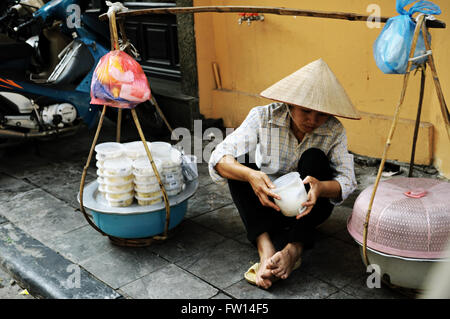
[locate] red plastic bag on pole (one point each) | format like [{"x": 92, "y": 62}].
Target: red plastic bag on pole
[{"x": 119, "y": 81}]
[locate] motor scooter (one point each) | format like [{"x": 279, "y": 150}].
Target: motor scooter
[{"x": 47, "y": 58}]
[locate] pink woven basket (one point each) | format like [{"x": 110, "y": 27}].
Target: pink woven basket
[{"x": 410, "y": 217}]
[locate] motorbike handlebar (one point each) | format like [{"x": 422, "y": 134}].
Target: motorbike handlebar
[{"x": 23, "y": 25}]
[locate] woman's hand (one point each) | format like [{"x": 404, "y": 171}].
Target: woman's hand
[
  {"x": 313, "y": 195},
  {"x": 262, "y": 185}
]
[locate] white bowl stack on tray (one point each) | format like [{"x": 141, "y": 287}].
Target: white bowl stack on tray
[
  {"x": 146, "y": 186},
  {"x": 171, "y": 167},
  {"x": 106, "y": 151},
  {"x": 118, "y": 178},
  {"x": 125, "y": 172}
]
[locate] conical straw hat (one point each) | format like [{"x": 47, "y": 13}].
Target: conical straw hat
[{"x": 314, "y": 87}]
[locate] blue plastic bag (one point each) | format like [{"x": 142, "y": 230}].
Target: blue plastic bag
[{"x": 393, "y": 45}]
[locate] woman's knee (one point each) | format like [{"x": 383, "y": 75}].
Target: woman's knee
[{"x": 314, "y": 162}]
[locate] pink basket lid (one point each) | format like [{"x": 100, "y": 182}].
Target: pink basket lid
[{"x": 410, "y": 217}]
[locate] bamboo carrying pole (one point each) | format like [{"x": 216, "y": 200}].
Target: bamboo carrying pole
[
  {"x": 261, "y": 9},
  {"x": 83, "y": 175},
  {"x": 391, "y": 134}
]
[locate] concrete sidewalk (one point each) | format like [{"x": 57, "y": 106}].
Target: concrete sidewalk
[{"x": 48, "y": 246}]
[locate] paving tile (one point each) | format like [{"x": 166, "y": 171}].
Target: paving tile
[
  {"x": 225, "y": 221},
  {"x": 223, "y": 264},
  {"x": 55, "y": 222},
  {"x": 337, "y": 221},
  {"x": 358, "y": 287},
  {"x": 170, "y": 282},
  {"x": 62, "y": 180},
  {"x": 21, "y": 161},
  {"x": 333, "y": 261},
  {"x": 344, "y": 235},
  {"x": 205, "y": 200},
  {"x": 299, "y": 285},
  {"x": 203, "y": 175},
  {"x": 221, "y": 296},
  {"x": 59, "y": 173},
  {"x": 11, "y": 186},
  {"x": 81, "y": 244},
  {"x": 188, "y": 239},
  {"x": 242, "y": 238},
  {"x": 341, "y": 295},
  {"x": 26, "y": 205},
  {"x": 223, "y": 190},
  {"x": 41, "y": 215},
  {"x": 120, "y": 266}
]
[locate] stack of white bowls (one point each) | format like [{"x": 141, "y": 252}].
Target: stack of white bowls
[
  {"x": 118, "y": 177},
  {"x": 135, "y": 150},
  {"x": 173, "y": 176},
  {"x": 106, "y": 151},
  {"x": 171, "y": 167},
  {"x": 146, "y": 185}
]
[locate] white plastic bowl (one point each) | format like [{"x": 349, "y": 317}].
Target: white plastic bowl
[
  {"x": 117, "y": 167},
  {"x": 108, "y": 150},
  {"x": 160, "y": 149},
  {"x": 143, "y": 167},
  {"x": 292, "y": 192},
  {"x": 135, "y": 150}
]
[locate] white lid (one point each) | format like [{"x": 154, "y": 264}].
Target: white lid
[
  {"x": 100, "y": 173},
  {"x": 109, "y": 149},
  {"x": 136, "y": 149},
  {"x": 161, "y": 149},
  {"x": 172, "y": 158},
  {"x": 120, "y": 166},
  {"x": 143, "y": 164}
]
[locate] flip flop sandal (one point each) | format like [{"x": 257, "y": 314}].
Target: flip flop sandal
[{"x": 250, "y": 275}]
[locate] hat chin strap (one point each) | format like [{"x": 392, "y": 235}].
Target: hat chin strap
[{"x": 292, "y": 118}]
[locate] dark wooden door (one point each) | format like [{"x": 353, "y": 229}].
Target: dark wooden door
[{"x": 155, "y": 38}]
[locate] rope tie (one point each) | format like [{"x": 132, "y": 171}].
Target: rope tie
[{"x": 115, "y": 7}]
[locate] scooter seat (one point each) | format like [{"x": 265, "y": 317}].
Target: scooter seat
[{"x": 13, "y": 50}]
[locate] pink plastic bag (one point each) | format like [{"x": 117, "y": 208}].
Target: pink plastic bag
[{"x": 119, "y": 81}]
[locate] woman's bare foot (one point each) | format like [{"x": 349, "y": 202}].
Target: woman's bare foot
[
  {"x": 266, "y": 250},
  {"x": 282, "y": 263},
  {"x": 264, "y": 277}
]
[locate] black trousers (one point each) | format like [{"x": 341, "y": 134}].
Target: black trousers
[{"x": 259, "y": 219}]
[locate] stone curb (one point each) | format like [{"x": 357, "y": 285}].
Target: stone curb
[{"x": 45, "y": 273}]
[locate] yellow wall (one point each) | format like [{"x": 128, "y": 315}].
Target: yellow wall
[{"x": 251, "y": 58}]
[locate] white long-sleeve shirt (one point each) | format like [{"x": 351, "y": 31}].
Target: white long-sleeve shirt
[{"x": 266, "y": 135}]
